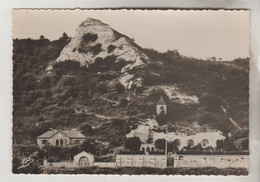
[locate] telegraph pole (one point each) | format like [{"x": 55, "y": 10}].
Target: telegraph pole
[{"x": 166, "y": 152}]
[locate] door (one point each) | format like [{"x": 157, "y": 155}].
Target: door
[{"x": 83, "y": 161}]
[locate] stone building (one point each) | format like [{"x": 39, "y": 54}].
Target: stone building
[
  {"x": 83, "y": 159},
  {"x": 60, "y": 138}
]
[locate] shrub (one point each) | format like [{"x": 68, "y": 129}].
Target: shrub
[{"x": 133, "y": 143}]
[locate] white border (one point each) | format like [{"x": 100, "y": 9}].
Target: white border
[{"x": 6, "y": 83}]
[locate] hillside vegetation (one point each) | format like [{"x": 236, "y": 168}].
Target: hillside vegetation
[{"x": 92, "y": 99}]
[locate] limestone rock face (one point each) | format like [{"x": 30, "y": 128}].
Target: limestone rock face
[{"x": 95, "y": 40}]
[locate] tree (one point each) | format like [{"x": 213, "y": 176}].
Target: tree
[
  {"x": 133, "y": 143},
  {"x": 123, "y": 102},
  {"x": 150, "y": 137},
  {"x": 160, "y": 144},
  {"x": 86, "y": 129},
  {"x": 220, "y": 145},
  {"x": 228, "y": 145},
  {"x": 88, "y": 146},
  {"x": 176, "y": 145},
  {"x": 210, "y": 101},
  {"x": 119, "y": 88},
  {"x": 101, "y": 88},
  {"x": 42, "y": 37},
  {"x": 64, "y": 37}
]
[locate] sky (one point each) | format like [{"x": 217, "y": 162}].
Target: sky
[{"x": 194, "y": 33}]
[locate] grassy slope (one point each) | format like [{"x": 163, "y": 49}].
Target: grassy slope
[{"x": 42, "y": 101}]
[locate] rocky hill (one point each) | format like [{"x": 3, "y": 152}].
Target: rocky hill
[
  {"x": 102, "y": 83},
  {"x": 96, "y": 41}
]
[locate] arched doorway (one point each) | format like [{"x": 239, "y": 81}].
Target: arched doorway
[
  {"x": 147, "y": 149},
  {"x": 205, "y": 143},
  {"x": 83, "y": 161},
  {"x": 152, "y": 149},
  {"x": 143, "y": 149}
]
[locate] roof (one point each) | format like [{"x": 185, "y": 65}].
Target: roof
[
  {"x": 85, "y": 153},
  {"x": 73, "y": 134},
  {"x": 161, "y": 101},
  {"x": 68, "y": 133},
  {"x": 48, "y": 134}
]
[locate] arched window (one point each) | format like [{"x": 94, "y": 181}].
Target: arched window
[
  {"x": 162, "y": 111},
  {"x": 147, "y": 149},
  {"x": 177, "y": 142},
  {"x": 61, "y": 142},
  {"x": 143, "y": 149},
  {"x": 190, "y": 142},
  {"x": 152, "y": 149},
  {"x": 205, "y": 142},
  {"x": 57, "y": 142},
  {"x": 83, "y": 161}
]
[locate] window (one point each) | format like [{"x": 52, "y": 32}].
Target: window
[
  {"x": 57, "y": 142},
  {"x": 61, "y": 142},
  {"x": 43, "y": 142},
  {"x": 147, "y": 149},
  {"x": 76, "y": 141},
  {"x": 190, "y": 142},
  {"x": 143, "y": 149}
]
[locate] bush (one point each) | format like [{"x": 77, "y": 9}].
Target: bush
[
  {"x": 101, "y": 88},
  {"x": 123, "y": 102},
  {"x": 133, "y": 143}
]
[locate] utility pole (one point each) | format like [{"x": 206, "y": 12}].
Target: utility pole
[{"x": 166, "y": 152}]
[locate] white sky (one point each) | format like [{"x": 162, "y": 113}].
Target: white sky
[{"x": 200, "y": 34}]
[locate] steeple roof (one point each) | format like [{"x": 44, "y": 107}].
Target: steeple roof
[{"x": 161, "y": 101}]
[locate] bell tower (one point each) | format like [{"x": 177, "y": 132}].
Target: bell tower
[{"x": 161, "y": 106}]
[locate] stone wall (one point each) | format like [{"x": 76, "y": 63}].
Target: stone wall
[
  {"x": 105, "y": 164},
  {"x": 219, "y": 161},
  {"x": 140, "y": 161},
  {"x": 65, "y": 164}
]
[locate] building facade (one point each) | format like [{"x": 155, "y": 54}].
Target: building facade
[
  {"x": 61, "y": 138},
  {"x": 147, "y": 147},
  {"x": 83, "y": 159}
]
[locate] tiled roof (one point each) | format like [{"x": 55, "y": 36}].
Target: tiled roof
[
  {"x": 69, "y": 133},
  {"x": 161, "y": 101},
  {"x": 48, "y": 134},
  {"x": 73, "y": 134}
]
